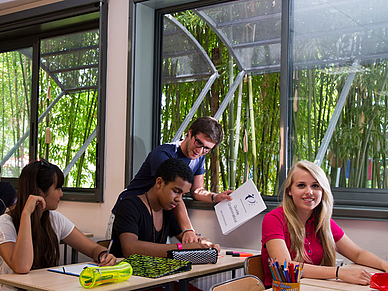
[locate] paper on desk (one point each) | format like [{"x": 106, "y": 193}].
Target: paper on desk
[
  {"x": 246, "y": 204},
  {"x": 74, "y": 270}
]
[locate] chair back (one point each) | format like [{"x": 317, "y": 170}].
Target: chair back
[
  {"x": 104, "y": 243},
  {"x": 254, "y": 266},
  {"x": 245, "y": 283}
]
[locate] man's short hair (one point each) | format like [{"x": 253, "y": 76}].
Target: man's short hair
[
  {"x": 172, "y": 168},
  {"x": 208, "y": 126}
]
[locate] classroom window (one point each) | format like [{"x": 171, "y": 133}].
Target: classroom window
[
  {"x": 338, "y": 53},
  {"x": 15, "y": 100},
  {"x": 52, "y": 84},
  {"x": 68, "y": 105},
  {"x": 339, "y": 103}
]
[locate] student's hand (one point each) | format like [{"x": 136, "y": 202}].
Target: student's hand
[
  {"x": 32, "y": 202},
  {"x": 110, "y": 260},
  {"x": 355, "y": 275},
  {"x": 203, "y": 245},
  {"x": 222, "y": 196},
  {"x": 189, "y": 236}
]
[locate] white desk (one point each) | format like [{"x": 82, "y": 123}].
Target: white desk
[{"x": 45, "y": 280}]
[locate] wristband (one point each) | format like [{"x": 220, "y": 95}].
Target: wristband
[
  {"x": 214, "y": 201},
  {"x": 336, "y": 273},
  {"x": 179, "y": 245},
  {"x": 186, "y": 230},
  {"x": 99, "y": 255}
]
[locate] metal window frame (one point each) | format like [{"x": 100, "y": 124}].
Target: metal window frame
[{"x": 30, "y": 28}]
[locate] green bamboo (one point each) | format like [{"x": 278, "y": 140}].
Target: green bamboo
[
  {"x": 309, "y": 137},
  {"x": 231, "y": 155},
  {"x": 252, "y": 122},
  {"x": 237, "y": 137}
]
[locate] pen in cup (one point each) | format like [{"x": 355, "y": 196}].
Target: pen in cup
[{"x": 110, "y": 245}]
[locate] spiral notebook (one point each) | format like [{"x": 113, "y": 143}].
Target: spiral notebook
[{"x": 156, "y": 267}]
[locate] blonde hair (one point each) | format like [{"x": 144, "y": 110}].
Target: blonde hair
[{"x": 322, "y": 213}]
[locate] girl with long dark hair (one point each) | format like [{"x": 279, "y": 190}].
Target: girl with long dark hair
[{"x": 30, "y": 233}]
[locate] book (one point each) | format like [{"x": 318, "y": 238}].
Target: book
[
  {"x": 71, "y": 270},
  {"x": 246, "y": 204}
]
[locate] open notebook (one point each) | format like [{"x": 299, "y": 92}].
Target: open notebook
[
  {"x": 71, "y": 270},
  {"x": 155, "y": 267}
]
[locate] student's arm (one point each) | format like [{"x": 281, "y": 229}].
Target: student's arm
[
  {"x": 180, "y": 213},
  {"x": 131, "y": 245},
  {"x": 77, "y": 240},
  {"x": 277, "y": 249},
  {"x": 198, "y": 192},
  {"x": 19, "y": 256},
  {"x": 348, "y": 248}
]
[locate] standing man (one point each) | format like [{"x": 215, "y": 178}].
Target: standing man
[{"x": 204, "y": 135}]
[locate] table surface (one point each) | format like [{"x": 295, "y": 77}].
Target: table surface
[{"x": 46, "y": 280}]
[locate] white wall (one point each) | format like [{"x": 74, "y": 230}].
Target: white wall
[{"x": 93, "y": 217}]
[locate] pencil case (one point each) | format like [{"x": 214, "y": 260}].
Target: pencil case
[
  {"x": 94, "y": 276},
  {"x": 195, "y": 256},
  {"x": 379, "y": 281}
]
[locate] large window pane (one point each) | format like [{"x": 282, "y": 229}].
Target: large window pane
[
  {"x": 68, "y": 105},
  {"x": 15, "y": 100},
  {"x": 250, "y": 148},
  {"x": 340, "y": 63}
]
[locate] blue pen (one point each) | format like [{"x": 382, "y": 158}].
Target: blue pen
[{"x": 296, "y": 270}]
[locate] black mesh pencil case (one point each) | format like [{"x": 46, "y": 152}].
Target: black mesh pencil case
[{"x": 195, "y": 256}]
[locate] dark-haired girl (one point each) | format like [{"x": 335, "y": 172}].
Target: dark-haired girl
[{"x": 30, "y": 233}]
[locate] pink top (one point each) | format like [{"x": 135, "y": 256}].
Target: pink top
[{"x": 275, "y": 227}]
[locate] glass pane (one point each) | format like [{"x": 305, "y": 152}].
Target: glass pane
[
  {"x": 250, "y": 29},
  {"x": 68, "y": 105},
  {"x": 15, "y": 100},
  {"x": 348, "y": 47},
  {"x": 259, "y": 159}
]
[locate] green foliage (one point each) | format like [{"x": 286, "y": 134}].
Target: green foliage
[{"x": 69, "y": 62}]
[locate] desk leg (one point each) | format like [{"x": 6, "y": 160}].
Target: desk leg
[
  {"x": 74, "y": 256},
  {"x": 65, "y": 254}
]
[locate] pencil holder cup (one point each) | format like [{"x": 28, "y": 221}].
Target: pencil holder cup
[
  {"x": 282, "y": 286},
  {"x": 94, "y": 276}
]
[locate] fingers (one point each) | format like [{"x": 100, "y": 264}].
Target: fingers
[
  {"x": 217, "y": 247},
  {"x": 357, "y": 276},
  {"x": 110, "y": 260},
  {"x": 222, "y": 196},
  {"x": 32, "y": 202},
  {"x": 189, "y": 237}
]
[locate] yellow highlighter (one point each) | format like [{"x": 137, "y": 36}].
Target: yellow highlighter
[{"x": 94, "y": 276}]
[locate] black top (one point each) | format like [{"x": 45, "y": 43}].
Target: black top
[
  {"x": 7, "y": 196},
  {"x": 133, "y": 216}
]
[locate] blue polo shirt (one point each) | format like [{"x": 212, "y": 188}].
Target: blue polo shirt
[{"x": 144, "y": 178}]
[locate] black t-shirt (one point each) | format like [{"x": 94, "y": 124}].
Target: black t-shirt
[
  {"x": 7, "y": 196},
  {"x": 133, "y": 216}
]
